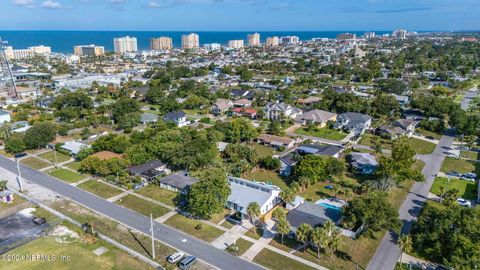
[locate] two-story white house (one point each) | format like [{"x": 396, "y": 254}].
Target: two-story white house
[
  {"x": 278, "y": 111},
  {"x": 178, "y": 117}
]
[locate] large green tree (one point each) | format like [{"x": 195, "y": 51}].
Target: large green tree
[{"x": 40, "y": 134}]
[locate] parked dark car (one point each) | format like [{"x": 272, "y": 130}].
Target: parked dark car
[{"x": 20, "y": 155}]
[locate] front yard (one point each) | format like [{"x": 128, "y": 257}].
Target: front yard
[
  {"x": 142, "y": 206},
  {"x": 422, "y": 147},
  {"x": 468, "y": 189},
  {"x": 325, "y": 133},
  {"x": 159, "y": 194},
  {"x": 51, "y": 157},
  {"x": 264, "y": 151},
  {"x": 275, "y": 261},
  {"x": 458, "y": 165},
  {"x": 35, "y": 163},
  {"x": 66, "y": 175},
  {"x": 194, "y": 228},
  {"x": 100, "y": 189}
]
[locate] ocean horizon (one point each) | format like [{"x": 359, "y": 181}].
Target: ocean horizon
[{"x": 64, "y": 41}]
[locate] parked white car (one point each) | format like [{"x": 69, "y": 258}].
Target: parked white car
[
  {"x": 464, "y": 202},
  {"x": 175, "y": 257}
]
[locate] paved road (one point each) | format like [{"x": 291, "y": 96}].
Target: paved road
[
  {"x": 471, "y": 94},
  {"x": 387, "y": 253},
  {"x": 163, "y": 233}
]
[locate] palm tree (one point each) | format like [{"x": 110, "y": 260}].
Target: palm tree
[
  {"x": 283, "y": 227},
  {"x": 3, "y": 185},
  {"x": 287, "y": 195},
  {"x": 253, "y": 210},
  {"x": 303, "y": 233},
  {"x": 405, "y": 243},
  {"x": 304, "y": 182},
  {"x": 333, "y": 237},
  {"x": 279, "y": 214},
  {"x": 348, "y": 192},
  {"x": 319, "y": 238}
]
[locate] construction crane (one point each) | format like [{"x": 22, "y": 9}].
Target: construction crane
[{"x": 8, "y": 88}]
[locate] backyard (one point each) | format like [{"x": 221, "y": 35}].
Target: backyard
[
  {"x": 100, "y": 189},
  {"x": 267, "y": 176},
  {"x": 468, "y": 189},
  {"x": 263, "y": 151},
  {"x": 325, "y": 133},
  {"x": 194, "y": 227}
]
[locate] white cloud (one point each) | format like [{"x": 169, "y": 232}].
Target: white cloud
[
  {"x": 154, "y": 4},
  {"x": 51, "y": 4},
  {"x": 24, "y": 3}
]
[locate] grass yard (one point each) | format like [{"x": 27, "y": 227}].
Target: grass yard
[
  {"x": 469, "y": 155},
  {"x": 428, "y": 133},
  {"x": 367, "y": 140},
  {"x": 275, "y": 261},
  {"x": 325, "y": 133},
  {"x": 75, "y": 165},
  {"x": 35, "y": 163},
  {"x": 117, "y": 232},
  {"x": 263, "y": 151},
  {"x": 66, "y": 175},
  {"x": 350, "y": 252},
  {"x": 81, "y": 256},
  {"x": 255, "y": 233},
  {"x": 468, "y": 189},
  {"x": 318, "y": 191},
  {"x": 142, "y": 206},
  {"x": 422, "y": 147},
  {"x": 227, "y": 224},
  {"x": 159, "y": 194},
  {"x": 4, "y": 153},
  {"x": 51, "y": 157},
  {"x": 458, "y": 165},
  {"x": 267, "y": 176},
  {"x": 194, "y": 227},
  {"x": 17, "y": 200},
  {"x": 217, "y": 218},
  {"x": 100, "y": 189},
  {"x": 242, "y": 245}
]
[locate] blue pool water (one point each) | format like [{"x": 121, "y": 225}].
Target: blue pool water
[{"x": 329, "y": 206}]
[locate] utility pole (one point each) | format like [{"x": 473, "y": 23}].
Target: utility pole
[
  {"x": 19, "y": 176},
  {"x": 153, "y": 239}
]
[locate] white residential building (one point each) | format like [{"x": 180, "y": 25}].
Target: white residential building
[
  {"x": 235, "y": 44},
  {"x": 244, "y": 192},
  {"x": 278, "y": 111}
]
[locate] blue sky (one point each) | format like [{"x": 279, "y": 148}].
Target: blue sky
[{"x": 238, "y": 15}]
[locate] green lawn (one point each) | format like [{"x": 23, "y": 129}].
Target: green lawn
[
  {"x": 217, "y": 218},
  {"x": 422, "y": 147},
  {"x": 325, "y": 133},
  {"x": 4, "y": 153},
  {"x": 318, "y": 191},
  {"x": 81, "y": 256},
  {"x": 159, "y": 194},
  {"x": 194, "y": 228},
  {"x": 428, "y": 133},
  {"x": 75, "y": 165},
  {"x": 142, "y": 206},
  {"x": 242, "y": 246},
  {"x": 66, "y": 175},
  {"x": 51, "y": 156},
  {"x": 17, "y": 200},
  {"x": 275, "y": 261},
  {"x": 227, "y": 224},
  {"x": 469, "y": 154},
  {"x": 35, "y": 163},
  {"x": 263, "y": 151},
  {"x": 255, "y": 233},
  {"x": 468, "y": 189},
  {"x": 367, "y": 140},
  {"x": 267, "y": 176},
  {"x": 458, "y": 165},
  {"x": 100, "y": 189}
]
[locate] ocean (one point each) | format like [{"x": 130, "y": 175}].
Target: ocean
[{"x": 63, "y": 41}]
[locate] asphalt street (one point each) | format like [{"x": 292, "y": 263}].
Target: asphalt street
[{"x": 181, "y": 241}]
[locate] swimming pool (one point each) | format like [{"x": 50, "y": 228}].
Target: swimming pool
[{"x": 329, "y": 206}]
